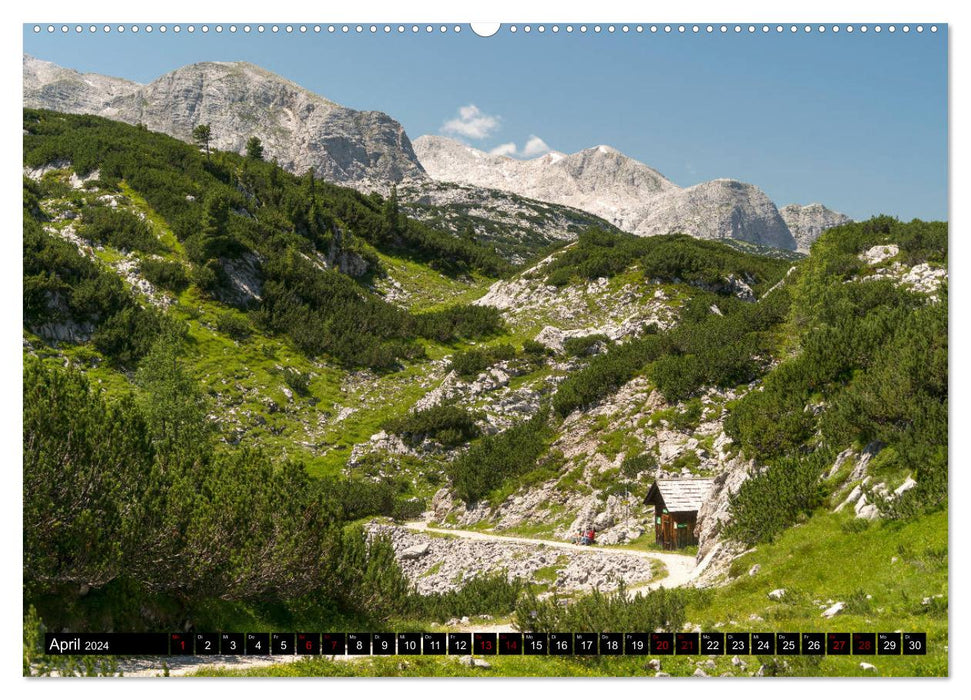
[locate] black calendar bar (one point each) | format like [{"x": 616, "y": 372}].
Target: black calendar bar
[{"x": 482, "y": 643}]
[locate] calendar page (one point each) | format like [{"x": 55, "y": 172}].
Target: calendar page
[{"x": 517, "y": 349}]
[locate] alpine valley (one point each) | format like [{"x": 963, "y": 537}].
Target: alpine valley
[{"x": 298, "y": 371}]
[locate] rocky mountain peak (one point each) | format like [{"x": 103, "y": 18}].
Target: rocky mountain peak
[
  {"x": 600, "y": 180},
  {"x": 807, "y": 222},
  {"x": 717, "y": 209},
  {"x": 299, "y": 128}
]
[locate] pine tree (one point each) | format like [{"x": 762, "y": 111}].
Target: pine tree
[
  {"x": 202, "y": 135},
  {"x": 254, "y": 148},
  {"x": 215, "y": 214},
  {"x": 391, "y": 214},
  {"x": 172, "y": 402}
]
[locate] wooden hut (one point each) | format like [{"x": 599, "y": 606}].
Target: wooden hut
[{"x": 676, "y": 503}]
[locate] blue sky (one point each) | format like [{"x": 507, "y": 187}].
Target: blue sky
[{"x": 857, "y": 122}]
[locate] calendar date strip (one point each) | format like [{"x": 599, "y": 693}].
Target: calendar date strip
[{"x": 487, "y": 643}]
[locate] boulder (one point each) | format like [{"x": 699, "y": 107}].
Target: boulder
[
  {"x": 879, "y": 253},
  {"x": 474, "y": 662},
  {"x": 834, "y": 610},
  {"x": 908, "y": 484},
  {"x": 416, "y": 551},
  {"x": 777, "y": 594}
]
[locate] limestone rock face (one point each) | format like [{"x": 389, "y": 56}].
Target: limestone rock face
[
  {"x": 599, "y": 180},
  {"x": 807, "y": 222},
  {"x": 627, "y": 193},
  {"x": 716, "y": 210},
  {"x": 50, "y": 86},
  {"x": 715, "y": 512},
  {"x": 300, "y": 129}
]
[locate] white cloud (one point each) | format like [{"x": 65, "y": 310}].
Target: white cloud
[
  {"x": 535, "y": 146},
  {"x": 472, "y": 123},
  {"x": 504, "y": 149}
]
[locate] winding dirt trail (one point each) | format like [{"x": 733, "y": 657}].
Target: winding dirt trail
[{"x": 680, "y": 567}]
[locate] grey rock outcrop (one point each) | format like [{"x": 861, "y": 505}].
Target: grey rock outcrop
[
  {"x": 807, "y": 222},
  {"x": 717, "y": 210},
  {"x": 715, "y": 513},
  {"x": 298, "y": 128}
]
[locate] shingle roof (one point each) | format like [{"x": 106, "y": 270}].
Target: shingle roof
[{"x": 679, "y": 495}]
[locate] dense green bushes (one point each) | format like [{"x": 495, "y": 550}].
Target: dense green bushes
[
  {"x": 873, "y": 352},
  {"x": 135, "y": 490},
  {"x": 447, "y": 424},
  {"x": 357, "y": 498},
  {"x": 606, "y": 373},
  {"x": 167, "y": 274},
  {"x": 920, "y": 241},
  {"x": 125, "y": 337},
  {"x": 723, "y": 350},
  {"x": 472, "y": 362},
  {"x": 585, "y": 345},
  {"x": 663, "y": 608},
  {"x": 325, "y": 312},
  {"x": 463, "y": 321},
  {"x": 87, "y": 475},
  {"x": 495, "y": 458},
  {"x": 118, "y": 228},
  {"x": 489, "y": 594},
  {"x": 772, "y": 500},
  {"x": 678, "y": 258},
  {"x": 233, "y": 325}
]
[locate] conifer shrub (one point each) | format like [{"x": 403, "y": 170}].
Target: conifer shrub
[
  {"x": 663, "y": 608},
  {"x": 447, "y": 424}
]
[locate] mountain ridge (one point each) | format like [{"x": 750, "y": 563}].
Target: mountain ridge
[
  {"x": 604, "y": 181},
  {"x": 370, "y": 151},
  {"x": 299, "y": 128}
]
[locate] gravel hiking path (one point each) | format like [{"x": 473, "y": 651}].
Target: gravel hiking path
[{"x": 680, "y": 567}]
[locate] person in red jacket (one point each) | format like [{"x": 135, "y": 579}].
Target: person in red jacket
[{"x": 590, "y": 535}]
